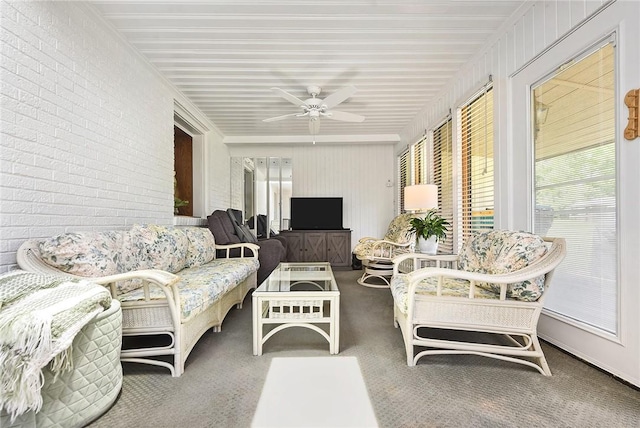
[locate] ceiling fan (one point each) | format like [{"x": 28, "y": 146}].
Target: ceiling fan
[{"x": 314, "y": 108}]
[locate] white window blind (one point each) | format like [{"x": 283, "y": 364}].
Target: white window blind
[
  {"x": 573, "y": 116},
  {"x": 403, "y": 175},
  {"x": 475, "y": 133},
  {"x": 420, "y": 162},
  {"x": 443, "y": 178}
]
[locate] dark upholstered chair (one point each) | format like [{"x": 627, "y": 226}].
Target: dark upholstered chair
[
  {"x": 261, "y": 228},
  {"x": 271, "y": 253}
]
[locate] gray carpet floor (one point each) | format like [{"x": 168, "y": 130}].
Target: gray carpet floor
[{"x": 223, "y": 380}]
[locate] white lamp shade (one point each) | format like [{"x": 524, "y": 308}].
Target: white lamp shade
[{"x": 420, "y": 197}]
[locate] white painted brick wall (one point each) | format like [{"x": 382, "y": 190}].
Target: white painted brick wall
[
  {"x": 86, "y": 128},
  {"x": 219, "y": 170}
]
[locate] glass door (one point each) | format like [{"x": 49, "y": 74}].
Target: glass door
[
  {"x": 574, "y": 162},
  {"x": 572, "y": 175}
]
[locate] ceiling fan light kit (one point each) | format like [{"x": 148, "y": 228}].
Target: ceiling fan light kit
[{"x": 315, "y": 108}]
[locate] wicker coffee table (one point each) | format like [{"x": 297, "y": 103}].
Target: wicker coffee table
[{"x": 297, "y": 295}]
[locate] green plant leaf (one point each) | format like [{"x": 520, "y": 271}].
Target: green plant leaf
[{"x": 431, "y": 225}]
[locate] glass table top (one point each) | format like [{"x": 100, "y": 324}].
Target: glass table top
[{"x": 300, "y": 277}]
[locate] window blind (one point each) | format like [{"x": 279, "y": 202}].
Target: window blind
[
  {"x": 420, "y": 162},
  {"x": 475, "y": 131},
  {"x": 573, "y": 113},
  {"x": 443, "y": 178},
  {"x": 403, "y": 172}
]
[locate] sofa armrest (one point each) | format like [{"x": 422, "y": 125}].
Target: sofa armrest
[
  {"x": 243, "y": 247},
  {"x": 367, "y": 239},
  {"x": 376, "y": 249},
  {"x": 383, "y": 244},
  {"x": 150, "y": 277}
]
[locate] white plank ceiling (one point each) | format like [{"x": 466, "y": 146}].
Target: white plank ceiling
[{"x": 226, "y": 55}]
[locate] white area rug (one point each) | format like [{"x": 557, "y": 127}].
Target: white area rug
[{"x": 314, "y": 392}]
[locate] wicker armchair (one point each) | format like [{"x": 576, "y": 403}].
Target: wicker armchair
[
  {"x": 376, "y": 254},
  {"x": 496, "y": 287}
]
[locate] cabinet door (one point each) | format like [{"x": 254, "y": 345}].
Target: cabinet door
[
  {"x": 339, "y": 249},
  {"x": 315, "y": 247},
  {"x": 295, "y": 247}
]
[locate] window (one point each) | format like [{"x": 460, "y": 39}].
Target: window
[
  {"x": 443, "y": 178},
  {"x": 420, "y": 162},
  {"x": 475, "y": 130},
  {"x": 183, "y": 172},
  {"x": 573, "y": 117},
  {"x": 403, "y": 175},
  {"x": 189, "y": 164}
]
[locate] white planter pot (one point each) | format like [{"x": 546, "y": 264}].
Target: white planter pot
[{"x": 428, "y": 246}]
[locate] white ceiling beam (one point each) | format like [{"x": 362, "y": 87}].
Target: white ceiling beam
[{"x": 306, "y": 139}]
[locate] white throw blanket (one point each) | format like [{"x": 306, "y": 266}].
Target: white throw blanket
[{"x": 39, "y": 317}]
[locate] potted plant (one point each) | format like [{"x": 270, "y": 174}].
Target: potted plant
[
  {"x": 429, "y": 230},
  {"x": 177, "y": 203}
]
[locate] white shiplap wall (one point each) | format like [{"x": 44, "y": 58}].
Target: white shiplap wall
[
  {"x": 218, "y": 180},
  {"x": 518, "y": 41},
  {"x": 358, "y": 173},
  {"x": 527, "y": 34}
]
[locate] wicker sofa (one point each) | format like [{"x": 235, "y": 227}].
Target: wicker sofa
[
  {"x": 495, "y": 287},
  {"x": 172, "y": 283}
]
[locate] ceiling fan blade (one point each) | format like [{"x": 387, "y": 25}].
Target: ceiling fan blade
[
  {"x": 314, "y": 126},
  {"x": 344, "y": 116},
  {"x": 273, "y": 119},
  {"x": 287, "y": 96},
  {"x": 339, "y": 96}
]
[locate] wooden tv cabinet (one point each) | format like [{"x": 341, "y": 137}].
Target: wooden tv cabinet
[{"x": 333, "y": 246}]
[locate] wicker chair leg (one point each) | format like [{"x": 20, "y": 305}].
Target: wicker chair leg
[{"x": 542, "y": 361}]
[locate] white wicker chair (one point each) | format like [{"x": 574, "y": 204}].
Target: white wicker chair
[
  {"x": 503, "y": 297},
  {"x": 377, "y": 254}
]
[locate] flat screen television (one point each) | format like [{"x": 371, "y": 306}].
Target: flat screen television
[{"x": 319, "y": 213}]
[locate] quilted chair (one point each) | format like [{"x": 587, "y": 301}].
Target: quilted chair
[
  {"x": 495, "y": 288},
  {"x": 78, "y": 394},
  {"x": 261, "y": 230},
  {"x": 376, "y": 254}
]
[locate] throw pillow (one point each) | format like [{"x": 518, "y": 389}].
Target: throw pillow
[
  {"x": 87, "y": 254},
  {"x": 202, "y": 246},
  {"x": 159, "y": 247}
]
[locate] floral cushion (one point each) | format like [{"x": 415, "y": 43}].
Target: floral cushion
[
  {"x": 200, "y": 287},
  {"x": 399, "y": 229},
  {"x": 87, "y": 254},
  {"x": 502, "y": 251},
  {"x": 368, "y": 250},
  {"x": 397, "y": 232},
  {"x": 201, "y": 247},
  {"x": 451, "y": 287},
  {"x": 158, "y": 247}
]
